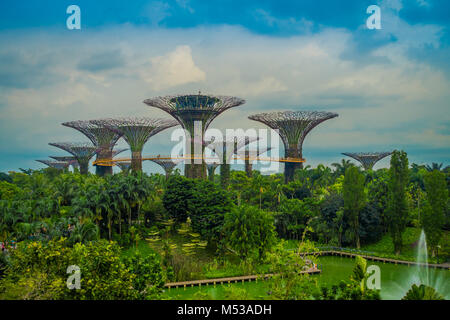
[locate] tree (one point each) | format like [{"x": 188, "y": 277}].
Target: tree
[
  {"x": 354, "y": 200},
  {"x": 249, "y": 231},
  {"x": 422, "y": 292},
  {"x": 397, "y": 209},
  {"x": 433, "y": 214},
  {"x": 176, "y": 198}
]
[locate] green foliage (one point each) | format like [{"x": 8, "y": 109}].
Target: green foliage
[
  {"x": 249, "y": 231},
  {"x": 38, "y": 271},
  {"x": 397, "y": 209}
]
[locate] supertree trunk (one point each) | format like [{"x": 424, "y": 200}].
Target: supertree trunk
[
  {"x": 84, "y": 167},
  {"x": 290, "y": 167},
  {"x": 248, "y": 168},
  {"x": 136, "y": 161},
  {"x": 105, "y": 155}
]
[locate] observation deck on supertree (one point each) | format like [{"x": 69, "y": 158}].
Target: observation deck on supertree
[
  {"x": 82, "y": 151},
  {"x": 293, "y": 127},
  {"x": 60, "y": 165},
  {"x": 167, "y": 164},
  {"x": 192, "y": 110},
  {"x": 102, "y": 137},
  {"x": 367, "y": 159},
  {"x": 136, "y": 132}
]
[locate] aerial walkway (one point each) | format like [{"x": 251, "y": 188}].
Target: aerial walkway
[{"x": 112, "y": 162}]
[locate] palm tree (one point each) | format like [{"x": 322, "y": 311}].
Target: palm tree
[
  {"x": 340, "y": 168},
  {"x": 434, "y": 166}
]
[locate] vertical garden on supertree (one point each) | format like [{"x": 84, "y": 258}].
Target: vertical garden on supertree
[
  {"x": 293, "y": 126},
  {"x": 194, "y": 111}
]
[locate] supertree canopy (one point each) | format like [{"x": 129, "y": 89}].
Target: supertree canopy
[
  {"x": 367, "y": 159},
  {"x": 102, "y": 137},
  {"x": 293, "y": 127},
  {"x": 136, "y": 132},
  {"x": 193, "y": 110},
  {"x": 82, "y": 151},
  {"x": 167, "y": 164},
  {"x": 61, "y": 165}
]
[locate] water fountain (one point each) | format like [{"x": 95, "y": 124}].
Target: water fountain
[{"x": 421, "y": 274}]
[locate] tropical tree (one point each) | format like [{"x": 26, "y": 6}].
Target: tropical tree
[{"x": 397, "y": 206}]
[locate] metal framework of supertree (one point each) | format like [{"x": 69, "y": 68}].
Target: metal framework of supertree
[
  {"x": 136, "y": 132},
  {"x": 367, "y": 159},
  {"x": 167, "y": 164},
  {"x": 70, "y": 159},
  {"x": 192, "y": 110},
  {"x": 102, "y": 137},
  {"x": 250, "y": 154},
  {"x": 293, "y": 126},
  {"x": 118, "y": 151},
  {"x": 82, "y": 151},
  {"x": 220, "y": 148},
  {"x": 60, "y": 165}
]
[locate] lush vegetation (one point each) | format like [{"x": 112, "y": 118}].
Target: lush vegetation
[{"x": 131, "y": 233}]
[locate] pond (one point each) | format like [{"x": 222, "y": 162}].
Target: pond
[{"x": 395, "y": 280}]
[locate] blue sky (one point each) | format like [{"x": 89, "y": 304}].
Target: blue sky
[{"x": 389, "y": 86}]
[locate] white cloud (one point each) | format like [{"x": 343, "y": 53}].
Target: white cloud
[{"x": 173, "y": 69}]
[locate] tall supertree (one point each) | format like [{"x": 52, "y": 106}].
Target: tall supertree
[
  {"x": 60, "y": 165},
  {"x": 136, "y": 132},
  {"x": 249, "y": 155},
  {"x": 221, "y": 146},
  {"x": 211, "y": 168},
  {"x": 367, "y": 159},
  {"x": 70, "y": 159},
  {"x": 102, "y": 137},
  {"x": 195, "y": 111},
  {"x": 167, "y": 164},
  {"x": 82, "y": 151},
  {"x": 293, "y": 127}
]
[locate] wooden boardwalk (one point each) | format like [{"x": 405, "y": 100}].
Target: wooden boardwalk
[{"x": 227, "y": 280}]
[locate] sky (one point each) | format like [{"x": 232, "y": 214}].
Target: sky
[{"x": 390, "y": 86}]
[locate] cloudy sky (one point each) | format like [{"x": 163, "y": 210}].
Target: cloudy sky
[{"x": 390, "y": 87}]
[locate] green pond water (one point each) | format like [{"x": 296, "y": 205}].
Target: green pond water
[{"x": 395, "y": 280}]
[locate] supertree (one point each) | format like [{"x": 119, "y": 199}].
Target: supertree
[
  {"x": 136, "y": 132},
  {"x": 167, "y": 164},
  {"x": 70, "y": 159},
  {"x": 102, "y": 137},
  {"x": 60, "y": 165},
  {"x": 211, "y": 167},
  {"x": 249, "y": 154},
  {"x": 195, "y": 112},
  {"x": 293, "y": 126},
  {"x": 221, "y": 146},
  {"x": 124, "y": 165},
  {"x": 82, "y": 151},
  {"x": 367, "y": 159}
]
